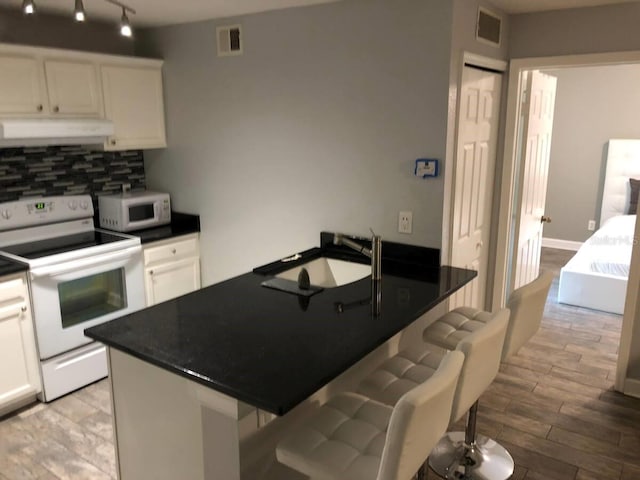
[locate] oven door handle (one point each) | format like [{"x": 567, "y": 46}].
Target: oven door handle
[{"x": 93, "y": 261}]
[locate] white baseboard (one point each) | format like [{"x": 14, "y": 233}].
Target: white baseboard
[
  {"x": 632, "y": 387},
  {"x": 561, "y": 244}
]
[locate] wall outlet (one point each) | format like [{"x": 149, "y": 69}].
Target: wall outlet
[
  {"x": 405, "y": 222},
  {"x": 591, "y": 226}
]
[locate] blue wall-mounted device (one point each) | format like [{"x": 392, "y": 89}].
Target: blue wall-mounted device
[{"x": 426, "y": 167}]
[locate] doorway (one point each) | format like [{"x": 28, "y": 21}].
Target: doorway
[{"x": 510, "y": 186}]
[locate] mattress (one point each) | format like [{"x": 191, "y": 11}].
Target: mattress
[
  {"x": 596, "y": 277},
  {"x": 608, "y": 251}
]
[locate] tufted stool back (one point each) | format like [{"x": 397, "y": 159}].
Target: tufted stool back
[
  {"x": 527, "y": 309},
  {"x": 356, "y": 438},
  {"x": 482, "y": 351}
]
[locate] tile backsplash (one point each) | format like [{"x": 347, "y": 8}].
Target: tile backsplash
[{"x": 73, "y": 170}]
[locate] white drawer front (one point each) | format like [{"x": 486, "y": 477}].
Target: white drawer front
[{"x": 172, "y": 251}]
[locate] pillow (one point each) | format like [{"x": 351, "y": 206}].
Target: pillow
[{"x": 633, "y": 201}]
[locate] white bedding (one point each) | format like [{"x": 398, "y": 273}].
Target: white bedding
[
  {"x": 609, "y": 249},
  {"x": 596, "y": 277}
]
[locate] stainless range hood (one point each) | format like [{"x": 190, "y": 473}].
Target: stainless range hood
[{"x": 42, "y": 132}]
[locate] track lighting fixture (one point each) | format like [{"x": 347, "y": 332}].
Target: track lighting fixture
[
  {"x": 125, "y": 26},
  {"x": 78, "y": 11},
  {"x": 28, "y": 7}
]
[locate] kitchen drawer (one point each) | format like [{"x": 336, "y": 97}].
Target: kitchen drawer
[
  {"x": 173, "y": 249},
  {"x": 12, "y": 291}
]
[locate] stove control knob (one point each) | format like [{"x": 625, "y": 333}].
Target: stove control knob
[
  {"x": 73, "y": 204},
  {"x": 6, "y": 214},
  {"x": 84, "y": 204}
]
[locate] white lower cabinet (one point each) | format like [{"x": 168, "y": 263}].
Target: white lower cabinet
[
  {"x": 171, "y": 268},
  {"x": 19, "y": 373}
]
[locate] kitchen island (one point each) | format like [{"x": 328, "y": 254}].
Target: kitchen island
[{"x": 197, "y": 381}]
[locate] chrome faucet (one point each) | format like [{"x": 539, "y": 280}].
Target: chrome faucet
[{"x": 374, "y": 253}]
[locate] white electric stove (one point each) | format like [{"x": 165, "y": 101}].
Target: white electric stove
[{"x": 79, "y": 276}]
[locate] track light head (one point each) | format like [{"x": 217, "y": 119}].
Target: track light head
[
  {"x": 78, "y": 12},
  {"x": 28, "y": 7},
  {"x": 125, "y": 26}
]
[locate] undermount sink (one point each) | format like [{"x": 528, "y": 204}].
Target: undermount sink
[{"x": 328, "y": 272}]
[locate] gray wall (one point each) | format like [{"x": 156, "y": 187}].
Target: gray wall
[
  {"x": 62, "y": 32},
  {"x": 576, "y": 31},
  {"x": 593, "y": 104},
  {"x": 316, "y": 127}
]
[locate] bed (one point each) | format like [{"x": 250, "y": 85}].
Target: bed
[{"x": 596, "y": 277}]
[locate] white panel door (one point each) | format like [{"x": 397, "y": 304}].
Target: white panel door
[
  {"x": 478, "y": 122},
  {"x": 536, "y": 141}
]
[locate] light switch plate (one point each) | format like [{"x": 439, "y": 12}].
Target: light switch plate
[{"x": 426, "y": 167}]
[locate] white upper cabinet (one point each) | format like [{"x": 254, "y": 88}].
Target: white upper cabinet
[
  {"x": 133, "y": 101},
  {"x": 73, "y": 88},
  {"x": 50, "y": 83},
  {"x": 22, "y": 89}
]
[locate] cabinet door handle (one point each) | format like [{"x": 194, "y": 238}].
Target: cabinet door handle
[
  {"x": 24, "y": 308},
  {"x": 56, "y": 109},
  {"x": 39, "y": 108},
  {"x": 173, "y": 250},
  {"x": 150, "y": 272},
  {"x": 113, "y": 141}
]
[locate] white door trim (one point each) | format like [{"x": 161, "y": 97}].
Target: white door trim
[
  {"x": 517, "y": 66},
  {"x": 484, "y": 62}
]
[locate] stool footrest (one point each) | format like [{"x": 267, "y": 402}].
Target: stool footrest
[{"x": 484, "y": 459}]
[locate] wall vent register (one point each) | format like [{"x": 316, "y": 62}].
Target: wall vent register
[
  {"x": 489, "y": 27},
  {"x": 229, "y": 40}
]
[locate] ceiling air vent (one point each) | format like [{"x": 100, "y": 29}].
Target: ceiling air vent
[
  {"x": 489, "y": 26},
  {"x": 229, "y": 40}
]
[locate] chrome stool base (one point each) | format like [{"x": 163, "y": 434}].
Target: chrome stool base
[{"x": 483, "y": 459}]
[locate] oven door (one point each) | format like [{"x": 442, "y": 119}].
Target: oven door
[{"x": 71, "y": 296}]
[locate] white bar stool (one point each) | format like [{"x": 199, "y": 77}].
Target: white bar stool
[
  {"x": 353, "y": 437},
  {"x": 482, "y": 350},
  {"x": 466, "y": 455}
]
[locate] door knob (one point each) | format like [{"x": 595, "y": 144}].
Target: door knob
[
  {"x": 545, "y": 219},
  {"x": 480, "y": 244}
]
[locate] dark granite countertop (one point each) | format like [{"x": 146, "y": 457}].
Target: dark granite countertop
[
  {"x": 272, "y": 349},
  {"x": 8, "y": 266}
]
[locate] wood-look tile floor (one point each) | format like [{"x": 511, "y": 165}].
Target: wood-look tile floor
[{"x": 552, "y": 406}]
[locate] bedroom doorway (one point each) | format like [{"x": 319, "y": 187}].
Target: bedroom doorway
[{"x": 510, "y": 187}]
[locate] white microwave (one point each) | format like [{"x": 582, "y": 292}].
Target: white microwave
[{"x": 129, "y": 211}]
